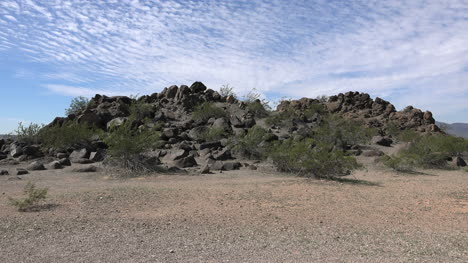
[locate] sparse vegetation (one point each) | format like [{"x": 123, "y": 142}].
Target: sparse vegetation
[
  {"x": 342, "y": 132},
  {"x": 34, "y": 196},
  {"x": 253, "y": 145},
  {"x": 28, "y": 134},
  {"x": 77, "y": 105},
  {"x": 68, "y": 135},
  {"x": 404, "y": 135},
  {"x": 214, "y": 134},
  {"x": 430, "y": 151},
  {"x": 227, "y": 90},
  {"x": 208, "y": 110},
  {"x": 258, "y": 107},
  {"x": 310, "y": 158}
]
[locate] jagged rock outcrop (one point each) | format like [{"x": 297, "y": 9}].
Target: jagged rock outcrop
[
  {"x": 376, "y": 113},
  {"x": 183, "y": 141}
]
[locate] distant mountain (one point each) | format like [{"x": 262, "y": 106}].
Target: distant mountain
[{"x": 457, "y": 129}]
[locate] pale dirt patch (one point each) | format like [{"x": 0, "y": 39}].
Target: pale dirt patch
[{"x": 239, "y": 216}]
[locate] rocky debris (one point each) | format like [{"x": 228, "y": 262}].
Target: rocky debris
[
  {"x": 210, "y": 145},
  {"x": 35, "y": 166},
  {"x": 78, "y": 155},
  {"x": 459, "y": 162},
  {"x": 16, "y": 150},
  {"x": 4, "y": 172},
  {"x": 3, "y": 156},
  {"x": 205, "y": 169},
  {"x": 222, "y": 155},
  {"x": 225, "y": 166},
  {"x": 382, "y": 140},
  {"x": 98, "y": 155},
  {"x": 21, "y": 171},
  {"x": 376, "y": 113},
  {"x": 61, "y": 155},
  {"x": 252, "y": 167},
  {"x": 54, "y": 165},
  {"x": 185, "y": 162},
  {"x": 86, "y": 169},
  {"x": 65, "y": 162}
]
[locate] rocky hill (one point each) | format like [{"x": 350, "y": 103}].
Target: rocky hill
[{"x": 187, "y": 117}]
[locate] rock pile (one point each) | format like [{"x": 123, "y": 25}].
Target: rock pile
[{"x": 182, "y": 142}]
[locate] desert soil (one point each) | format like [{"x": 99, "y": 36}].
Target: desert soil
[{"x": 238, "y": 216}]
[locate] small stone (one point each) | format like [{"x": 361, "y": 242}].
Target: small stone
[
  {"x": 4, "y": 172},
  {"x": 205, "y": 169},
  {"x": 21, "y": 171}
]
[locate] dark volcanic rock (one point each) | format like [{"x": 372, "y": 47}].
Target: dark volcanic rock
[
  {"x": 54, "y": 165},
  {"x": 185, "y": 162},
  {"x": 21, "y": 171},
  {"x": 382, "y": 140},
  {"x": 4, "y": 172},
  {"x": 79, "y": 154},
  {"x": 34, "y": 166}
]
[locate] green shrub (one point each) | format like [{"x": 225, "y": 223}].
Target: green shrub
[
  {"x": 141, "y": 111},
  {"x": 28, "y": 134},
  {"x": 208, "y": 110},
  {"x": 281, "y": 119},
  {"x": 258, "y": 109},
  {"x": 341, "y": 132},
  {"x": 311, "y": 159},
  {"x": 432, "y": 151},
  {"x": 399, "y": 163},
  {"x": 34, "y": 196},
  {"x": 253, "y": 144},
  {"x": 313, "y": 109},
  {"x": 214, "y": 134},
  {"x": 126, "y": 144},
  {"x": 68, "y": 135},
  {"x": 77, "y": 105},
  {"x": 404, "y": 135}
]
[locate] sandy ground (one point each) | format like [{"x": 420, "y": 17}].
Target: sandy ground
[{"x": 239, "y": 216}]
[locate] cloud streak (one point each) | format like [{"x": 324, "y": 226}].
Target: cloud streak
[{"x": 297, "y": 48}]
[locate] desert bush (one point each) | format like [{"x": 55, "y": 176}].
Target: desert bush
[
  {"x": 208, "y": 110},
  {"x": 28, "y": 134},
  {"x": 77, "y": 105},
  {"x": 214, "y": 134},
  {"x": 399, "y": 163},
  {"x": 253, "y": 145},
  {"x": 34, "y": 196},
  {"x": 310, "y": 158},
  {"x": 431, "y": 151},
  {"x": 141, "y": 111},
  {"x": 341, "y": 132},
  {"x": 68, "y": 135},
  {"x": 404, "y": 135},
  {"x": 281, "y": 119},
  {"x": 255, "y": 105},
  {"x": 126, "y": 144},
  {"x": 227, "y": 90}
]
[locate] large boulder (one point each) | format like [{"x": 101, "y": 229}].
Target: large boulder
[
  {"x": 16, "y": 150},
  {"x": 185, "y": 162},
  {"x": 174, "y": 155},
  {"x": 34, "y": 166},
  {"x": 197, "y": 87},
  {"x": 54, "y": 165},
  {"x": 79, "y": 155}
]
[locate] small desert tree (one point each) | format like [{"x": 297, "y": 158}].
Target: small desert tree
[{"x": 77, "y": 105}]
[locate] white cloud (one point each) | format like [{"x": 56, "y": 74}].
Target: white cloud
[{"x": 295, "y": 48}]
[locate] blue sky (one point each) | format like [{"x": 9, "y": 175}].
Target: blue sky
[{"x": 408, "y": 52}]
